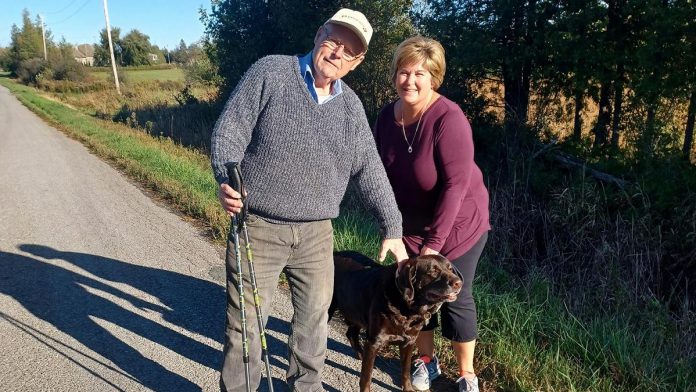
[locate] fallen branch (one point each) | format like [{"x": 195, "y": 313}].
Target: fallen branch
[{"x": 573, "y": 162}]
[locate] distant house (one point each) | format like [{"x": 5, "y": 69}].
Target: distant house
[
  {"x": 153, "y": 57},
  {"x": 84, "y": 54}
]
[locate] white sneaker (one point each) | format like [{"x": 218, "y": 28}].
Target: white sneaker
[
  {"x": 468, "y": 384},
  {"x": 424, "y": 373}
]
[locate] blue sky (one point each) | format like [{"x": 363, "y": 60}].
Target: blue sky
[{"x": 79, "y": 21}]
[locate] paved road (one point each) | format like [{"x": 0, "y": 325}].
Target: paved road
[{"x": 103, "y": 289}]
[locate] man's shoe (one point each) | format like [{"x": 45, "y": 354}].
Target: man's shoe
[
  {"x": 468, "y": 384},
  {"x": 425, "y": 370}
]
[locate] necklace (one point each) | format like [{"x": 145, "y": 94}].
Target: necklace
[{"x": 403, "y": 128}]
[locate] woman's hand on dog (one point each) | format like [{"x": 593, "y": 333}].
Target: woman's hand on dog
[
  {"x": 230, "y": 199},
  {"x": 427, "y": 251},
  {"x": 396, "y": 247}
]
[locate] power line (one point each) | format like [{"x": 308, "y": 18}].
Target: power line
[
  {"x": 62, "y": 9},
  {"x": 73, "y": 14}
]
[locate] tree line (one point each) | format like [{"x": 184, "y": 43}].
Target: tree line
[
  {"x": 25, "y": 56},
  {"x": 132, "y": 49},
  {"x": 135, "y": 49},
  {"x": 633, "y": 59}
]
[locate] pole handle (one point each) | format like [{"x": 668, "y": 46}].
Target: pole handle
[{"x": 234, "y": 175}]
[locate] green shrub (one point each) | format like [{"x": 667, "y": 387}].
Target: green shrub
[
  {"x": 186, "y": 97},
  {"x": 134, "y": 68},
  {"x": 69, "y": 69},
  {"x": 29, "y": 70},
  {"x": 68, "y": 86},
  {"x": 202, "y": 71},
  {"x": 5, "y": 60}
]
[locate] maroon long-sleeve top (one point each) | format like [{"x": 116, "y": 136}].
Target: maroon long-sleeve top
[{"x": 438, "y": 187}]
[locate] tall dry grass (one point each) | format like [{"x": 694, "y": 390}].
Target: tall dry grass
[
  {"x": 603, "y": 254},
  {"x": 163, "y": 108}
]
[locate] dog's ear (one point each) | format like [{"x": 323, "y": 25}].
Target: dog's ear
[{"x": 405, "y": 278}]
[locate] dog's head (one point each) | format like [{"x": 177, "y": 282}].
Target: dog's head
[{"x": 428, "y": 280}]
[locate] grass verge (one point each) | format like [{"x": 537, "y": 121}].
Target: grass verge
[{"x": 529, "y": 341}]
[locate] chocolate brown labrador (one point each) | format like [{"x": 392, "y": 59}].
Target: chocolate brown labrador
[{"x": 390, "y": 306}]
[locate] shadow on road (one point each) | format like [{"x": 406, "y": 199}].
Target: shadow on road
[{"x": 81, "y": 303}]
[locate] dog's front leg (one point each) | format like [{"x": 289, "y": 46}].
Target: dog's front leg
[
  {"x": 368, "y": 363},
  {"x": 406, "y": 352}
]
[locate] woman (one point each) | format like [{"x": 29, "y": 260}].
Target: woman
[{"x": 426, "y": 146}]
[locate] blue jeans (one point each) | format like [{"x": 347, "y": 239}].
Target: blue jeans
[{"x": 305, "y": 252}]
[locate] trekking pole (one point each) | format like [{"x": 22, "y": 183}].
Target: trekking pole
[
  {"x": 235, "y": 180},
  {"x": 240, "y": 289}
]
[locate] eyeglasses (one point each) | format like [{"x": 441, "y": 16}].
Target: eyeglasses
[{"x": 334, "y": 44}]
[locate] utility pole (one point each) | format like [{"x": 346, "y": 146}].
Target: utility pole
[
  {"x": 111, "y": 48},
  {"x": 43, "y": 34}
]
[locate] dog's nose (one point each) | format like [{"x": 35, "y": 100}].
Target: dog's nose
[{"x": 457, "y": 284}]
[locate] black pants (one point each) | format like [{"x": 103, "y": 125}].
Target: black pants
[{"x": 459, "y": 316}]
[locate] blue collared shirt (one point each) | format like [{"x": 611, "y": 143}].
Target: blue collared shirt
[{"x": 306, "y": 72}]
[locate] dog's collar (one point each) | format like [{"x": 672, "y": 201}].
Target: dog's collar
[{"x": 430, "y": 313}]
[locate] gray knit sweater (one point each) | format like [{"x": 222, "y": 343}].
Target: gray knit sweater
[{"x": 297, "y": 156}]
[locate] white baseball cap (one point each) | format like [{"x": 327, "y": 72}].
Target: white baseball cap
[{"x": 356, "y": 22}]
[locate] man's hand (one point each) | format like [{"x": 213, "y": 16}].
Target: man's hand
[
  {"x": 396, "y": 247},
  {"x": 230, "y": 199}
]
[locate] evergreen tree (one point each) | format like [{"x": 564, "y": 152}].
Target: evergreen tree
[
  {"x": 239, "y": 32},
  {"x": 25, "y": 43}
]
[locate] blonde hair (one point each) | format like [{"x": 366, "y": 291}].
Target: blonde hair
[{"x": 421, "y": 50}]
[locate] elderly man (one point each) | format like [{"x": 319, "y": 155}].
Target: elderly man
[{"x": 301, "y": 135}]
